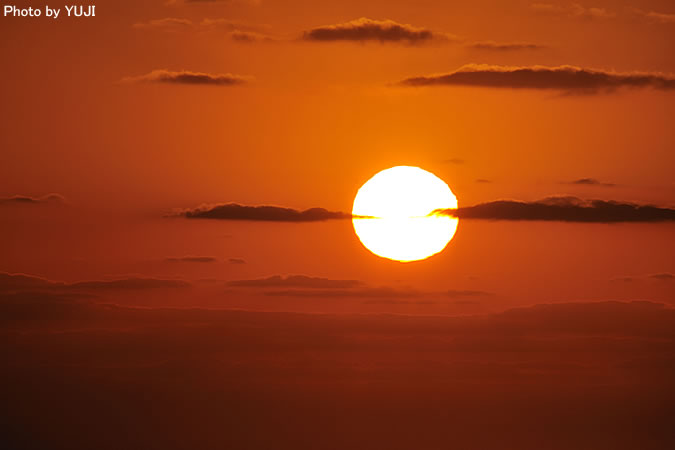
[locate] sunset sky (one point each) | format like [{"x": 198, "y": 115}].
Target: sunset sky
[{"x": 125, "y": 138}]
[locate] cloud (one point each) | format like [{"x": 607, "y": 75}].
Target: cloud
[
  {"x": 664, "y": 276},
  {"x": 348, "y": 292},
  {"x": 573, "y": 10},
  {"x": 564, "y": 209},
  {"x": 187, "y": 77},
  {"x": 21, "y": 282},
  {"x": 505, "y": 46},
  {"x": 654, "y": 16},
  {"x": 567, "y": 79},
  {"x": 251, "y": 36},
  {"x": 233, "y": 211},
  {"x": 457, "y": 161},
  {"x": 363, "y": 30},
  {"x": 195, "y": 259},
  {"x": 236, "y": 261},
  {"x": 237, "y": 31},
  {"x": 456, "y": 293},
  {"x": 483, "y": 181},
  {"x": 27, "y": 200},
  {"x": 590, "y": 182},
  {"x": 296, "y": 281},
  {"x": 131, "y": 283}
]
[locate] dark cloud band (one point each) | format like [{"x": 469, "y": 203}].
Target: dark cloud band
[
  {"x": 564, "y": 209},
  {"x": 233, "y": 211},
  {"x": 562, "y": 78}
]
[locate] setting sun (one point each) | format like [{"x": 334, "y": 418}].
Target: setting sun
[{"x": 393, "y": 214}]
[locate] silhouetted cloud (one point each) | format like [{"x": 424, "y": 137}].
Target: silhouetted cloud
[
  {"x": 186, "y": 77},
  {"x": 483, "y": 181},
  {"x": 20, "y": 281},
  {"x": 236, "y": 261},
  {"x": 660, "y": 17},
  {"x": 129, "y": 284},
  {"x": 23, "y": 282},
  {"x": 573, "y": 10},
  {"x": 298, "y": 281},
  {"x": 455, "y": 293},
  {"x": 363, "y": 29},
  {"x": 233, "y": 211},
  {"x": 27, "y": 200},
  {"x": 568, "y": 79},
  {"x": 457, "y": 161},
  {"x": 564, "y": 209},
  {"x": 195, "y": 259},
  {"x": 505, "y": 46},
  {"x": 661, "y": 276},
  {"x": 349, "y": 292},
  {"x": 664, "y": 276},
  {"x": 590, "y": 182}
]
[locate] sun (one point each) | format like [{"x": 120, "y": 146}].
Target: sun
[{"x": 393, "y": 214}]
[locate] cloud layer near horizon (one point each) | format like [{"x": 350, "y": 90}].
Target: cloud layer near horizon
[
  {"x": 568, "y": 79},
  {"x": 211, "y": 379}
]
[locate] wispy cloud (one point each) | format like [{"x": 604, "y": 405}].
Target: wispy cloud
[
  {"x": 505, "y": 46},
  {"x": 237, "y": 31},
  {"x": 573, "y": 10},
  {"x": 589, "y": 182},
  {"x": 296, "y": 281},
  {"x": 187, "y": 77},
  {"x": 659, "y": 17},
  {"x": 192, "y": 259}
]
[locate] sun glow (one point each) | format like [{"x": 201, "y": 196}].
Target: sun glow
[{"x": 393, "y": 214}]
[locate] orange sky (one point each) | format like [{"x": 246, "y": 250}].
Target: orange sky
[{"x": 315, "y": 120}]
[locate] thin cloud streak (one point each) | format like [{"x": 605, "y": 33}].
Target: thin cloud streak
[{"x": 188, "y": 78}]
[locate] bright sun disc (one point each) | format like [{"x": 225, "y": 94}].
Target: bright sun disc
[{"x": 392, "y": 214}]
